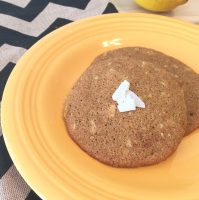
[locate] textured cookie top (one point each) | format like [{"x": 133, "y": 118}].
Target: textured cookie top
[
  {"x": 130, "y": 139},
  {"x": 184, "y": 74}
]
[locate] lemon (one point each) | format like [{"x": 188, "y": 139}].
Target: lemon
[{"x": 160, "y": 5}]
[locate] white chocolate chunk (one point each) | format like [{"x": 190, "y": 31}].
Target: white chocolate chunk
[{"x": 126, "y": 99}]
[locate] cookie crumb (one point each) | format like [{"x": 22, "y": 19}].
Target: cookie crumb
[
  {"x": 163, "y": 83},
  {"x": 112, "y": 110},
  {"x": 176, "y": 76},
  {"x": 74, "y": 126},
  {"x": 93, "y": 126},
  {"x": 175, "y": 66},
  {"x": 143, "y": 63},
  {"x": 162, "y": 135},
  {"x": 92, "y": 137},
  {"x": 162, "y": 93},
  {"x": 128, "y": 143},
  {"x": 161, "y": 125}
]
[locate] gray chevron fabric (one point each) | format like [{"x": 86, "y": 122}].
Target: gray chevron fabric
[{"x": 22, "y": 23}]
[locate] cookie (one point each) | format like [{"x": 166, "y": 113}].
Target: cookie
[
  {"x": 130, "y": 139},
  {"x": 188, "y": 78}
]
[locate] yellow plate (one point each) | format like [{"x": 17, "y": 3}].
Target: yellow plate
[{"x": 32, "y": 110}]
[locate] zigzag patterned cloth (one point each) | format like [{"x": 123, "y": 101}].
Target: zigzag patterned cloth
[{"x": 22, "y": 23}]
